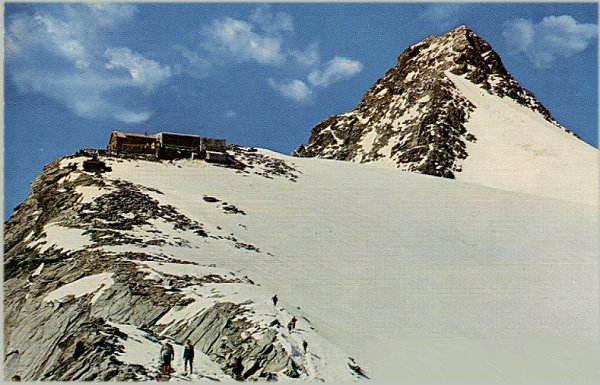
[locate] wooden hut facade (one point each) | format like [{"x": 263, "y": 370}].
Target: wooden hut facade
[
  {"x": 174, "y": 146},
  {"x": 132, "y": 142},
  {"x": 217, "y": 145},
  {"x": 168, "y": 145}
]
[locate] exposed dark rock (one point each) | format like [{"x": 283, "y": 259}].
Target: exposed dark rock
[
  {"x": 414, "y": 115},
  {"x": 263, "y": 165}
]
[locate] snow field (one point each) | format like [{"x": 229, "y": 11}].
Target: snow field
[
  {"x": 518, "y": 150},
  {"x": 375, "y": 256},
  {"x": 67, "y": 238},
  {"x": 97, "y": 284}
]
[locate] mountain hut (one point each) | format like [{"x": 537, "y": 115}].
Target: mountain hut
[
  {"x": 177, "y": 145},
  {"x": 132, "y": 142}
]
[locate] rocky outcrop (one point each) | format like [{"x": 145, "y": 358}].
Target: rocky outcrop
[
  {"x": 218, "y": 333},
  {"x": 71, "y": 309},
  {"x": 414, "y": 116}
]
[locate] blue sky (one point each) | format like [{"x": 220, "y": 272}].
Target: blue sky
[{"x": 256, "y": 74}]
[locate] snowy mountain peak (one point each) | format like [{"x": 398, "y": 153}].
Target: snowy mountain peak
[{"x": 448, "y": 105}]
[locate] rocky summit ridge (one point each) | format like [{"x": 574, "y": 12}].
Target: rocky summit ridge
[
  {"x": 91, "y": 291},
  {"x": 414, "y": 115}
]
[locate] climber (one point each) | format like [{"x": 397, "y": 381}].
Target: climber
[
  {"x": 292, "y": 324},
  {"x": 167, "y": 355},
  {"x": 188, "y": 355},
  {"x": 170, "y": 347},
  {"x": 275, "y": 299},
  {"x": 304, "y": 346},
  {"x": 237, "y": 369}
]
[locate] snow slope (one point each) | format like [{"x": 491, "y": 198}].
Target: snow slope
[
  {"x": 518, "y": 150},
  {"x": 384, "y": 262}
]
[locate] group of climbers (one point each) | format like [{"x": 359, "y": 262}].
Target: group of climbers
[
  {"x": 291, "y": 325},
  {"x": 167, "y": 353}
]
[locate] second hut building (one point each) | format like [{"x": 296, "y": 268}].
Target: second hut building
[{"x": 168, "y": 145}]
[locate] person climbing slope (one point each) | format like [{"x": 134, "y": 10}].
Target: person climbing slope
[
  {"x": 188, "y": 355},
  {"x": 166, "y": 355},
  {"x": 292, "y": 323}
]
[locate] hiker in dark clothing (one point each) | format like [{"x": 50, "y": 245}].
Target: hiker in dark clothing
[
  {"x": 188, "y": 355},
  {"x": 167, "y": 354},
  {"x": 292, "y": 324},
  {"x": 304, "y": 346},
  {"x": 275, "y": 299},
  {"x": 237, "y": 369}
]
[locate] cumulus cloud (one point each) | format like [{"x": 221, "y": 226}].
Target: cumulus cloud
[
  {"x": 293, "y": 89},
  {"x": 48, "y": 34},
  {"x": 264, "y": 39},
  {"x": 271, "y": 22},
  {"x": 551, "y": 38},
  {"x": 83, "y": 93},
  {"x": 131, "y": 117},
  {"x": 337, "y": 69},
  {"x": 64, "y": 56},
  {"x": 238, "y": 40},
  {"x": 308, "y": 57},
  {"x": 144, "y": 72},
  {"x": 196, "y": 65},
  {"x": 111, "y": 13}
]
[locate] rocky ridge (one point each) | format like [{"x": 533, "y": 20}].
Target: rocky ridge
[
  {"x": 79, "y": 305},
  {"x": 414, "y": 116}
]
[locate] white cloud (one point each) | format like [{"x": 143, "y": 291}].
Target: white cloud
[
  {"x": 111, "y": 13},
  {"x": 271, "y": 22},
  {"x": 61, "y": 37},
  {"x": 196, "y": 66},
  {"x": 551, "y": 38},
  {"x": 309, "y": 57},
  {"x": 144, "y": 72},
  {"x": 294, "y": 89},
  {"x": 19, "y": 34},
  {"x": 237, "y": 39},
  {"x": 261, "y": 39},
  {"x": 63, "y": 56},
  {"x": 130, "y": 117},
  {"x": 83, "y": 93},
  {"x": 335, "y": 70}
]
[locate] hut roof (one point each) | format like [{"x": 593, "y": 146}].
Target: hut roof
[{"x": 124, "y": 134}]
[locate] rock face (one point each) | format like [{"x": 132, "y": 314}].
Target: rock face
[
  {"x": 414, "y": 116},
  {"x": 81, "y": 305}
]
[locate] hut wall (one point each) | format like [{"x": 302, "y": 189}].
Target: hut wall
[
  {"x": 207, "y": 144},
  {"x": 169, "y": 140}
]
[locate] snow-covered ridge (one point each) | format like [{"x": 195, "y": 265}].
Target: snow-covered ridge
[
  {"x": 122, "y": 250},
  {"x": 364, "y": 257}
]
